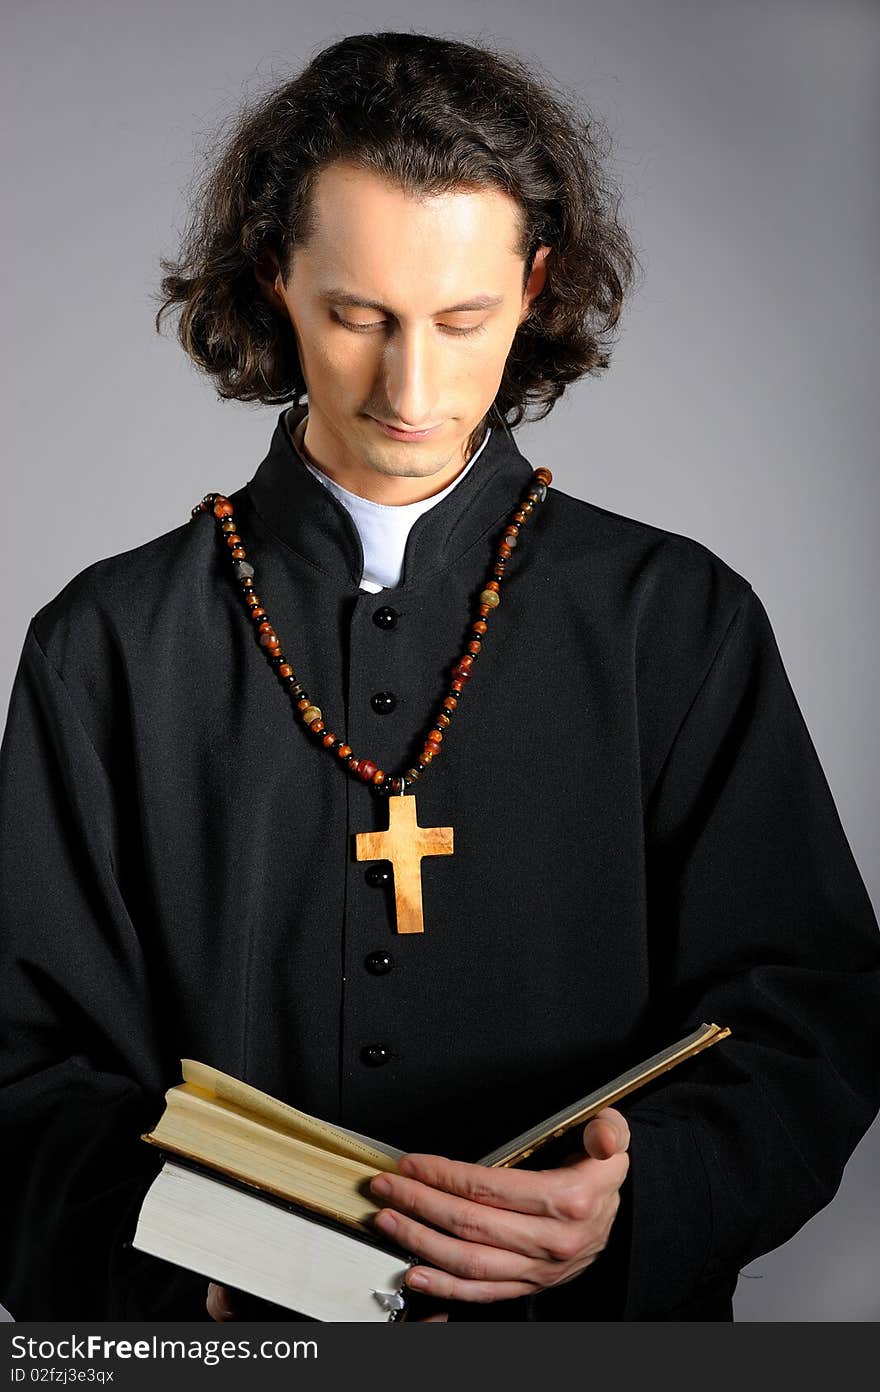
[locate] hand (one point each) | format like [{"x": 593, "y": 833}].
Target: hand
[
  {"x": 514, "y": 1231},
  {"x": 220, "y": 1304}
]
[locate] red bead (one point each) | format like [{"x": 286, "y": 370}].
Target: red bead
[{"x": 367, "y": 769}]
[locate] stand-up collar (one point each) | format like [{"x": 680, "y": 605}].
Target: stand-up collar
[{"x": 307, "y": 517}]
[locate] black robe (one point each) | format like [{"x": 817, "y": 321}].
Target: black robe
[{"x": 644, "y": 840}]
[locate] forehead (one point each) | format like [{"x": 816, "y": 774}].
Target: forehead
[{"x": 374, "y": 239}]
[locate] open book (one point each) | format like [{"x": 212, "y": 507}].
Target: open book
[{"x": 261, "y": 1196}]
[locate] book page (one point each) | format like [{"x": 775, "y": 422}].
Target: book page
[
  {"x": 605, "y": 1096},
  {"x": 339, "y": 1139}
]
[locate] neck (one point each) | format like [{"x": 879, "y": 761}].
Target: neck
[{"x": 360, "y": 478}]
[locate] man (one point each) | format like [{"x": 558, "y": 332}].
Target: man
[{"x": 643, "y": 836}]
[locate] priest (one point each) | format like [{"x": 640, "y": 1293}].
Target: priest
[{"x": 414, "y": 790}]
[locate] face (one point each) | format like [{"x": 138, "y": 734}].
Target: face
[{"x": 404, "y": 312}]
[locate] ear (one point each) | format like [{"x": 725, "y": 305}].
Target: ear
[
  {"x": 536, "y": 281},
  {"x": 270, "y": 280}
]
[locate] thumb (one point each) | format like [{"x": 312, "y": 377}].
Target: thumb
[{"x": 606, "y": 1134}]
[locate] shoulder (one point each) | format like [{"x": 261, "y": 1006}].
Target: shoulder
[
  {"x": 115, "y": 603},
  {"x": 651, "y": 577}
]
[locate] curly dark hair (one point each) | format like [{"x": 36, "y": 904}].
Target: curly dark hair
[{"x": 434, "y": 115}]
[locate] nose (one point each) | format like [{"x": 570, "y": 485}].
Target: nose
[{"x": 412, "y": 364}]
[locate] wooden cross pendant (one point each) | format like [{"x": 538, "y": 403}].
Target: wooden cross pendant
[{"x": 404, "y": 844}]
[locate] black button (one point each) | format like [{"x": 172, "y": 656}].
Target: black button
[
  {"x": 374, "y": 1055},
  {"x": 383, "y": 702},
  {"x": 378, "y": 874},
  {"x": 386, "y": 617},
  {"x": 379, "y": 963}
]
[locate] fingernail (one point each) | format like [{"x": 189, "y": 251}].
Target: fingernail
[
  {"x": 419, "y": 1281},
  {"x": 386, "y": 1221},
  {"x": 382, "y": 1185}
]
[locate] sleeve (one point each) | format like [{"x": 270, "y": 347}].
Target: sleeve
[
  {"x": 80, "y": 1077},
  {"x": 758, "y": 920}
]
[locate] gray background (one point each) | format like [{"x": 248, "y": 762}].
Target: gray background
[{"x": 741, "y": 407}]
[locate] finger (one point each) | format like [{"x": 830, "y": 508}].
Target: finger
[
  {"x": 606, "y": 1134},
  {"x": 449, "y": 1287},
  {"x": 433, "y": 1319},
  {"x": 520, "y": 1191},
  {"x": 526, "y": 1234},
  {"x": 219, "y": 1302},
  {"x": 473, "y": 1260}
]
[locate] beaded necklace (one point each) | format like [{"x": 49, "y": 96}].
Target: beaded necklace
[{"x": 404, "y": 842}]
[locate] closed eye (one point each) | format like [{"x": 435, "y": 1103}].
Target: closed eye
[{"x": 447, "y": 328}]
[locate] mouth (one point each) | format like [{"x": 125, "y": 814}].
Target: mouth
[{"x": 409, "y": 435}]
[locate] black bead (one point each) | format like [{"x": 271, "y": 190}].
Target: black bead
[{"x": 374, "y": 1055}]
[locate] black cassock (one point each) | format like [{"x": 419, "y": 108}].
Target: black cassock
[{"x": 644, "y": 840}]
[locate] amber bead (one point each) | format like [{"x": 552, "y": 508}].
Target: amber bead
[
  {"x": 328, "y": 739},
  {"x": 311, "y": 713},
  {"x": 480, "y": 626},
  {"x": 443, "y": 720},
  {"x": 233, "y": 539},
  {"x": 378, "y": 777},
  {"x": 344, "y": 751},
  {"x": 316, "y": 726},
  {"x": 504, "y": 550},
  {"x": 489, "y": 599},
  {"x": 426, "y": 756},
  {"x": 543, "y": 475},
  {"x": 223, "y": 508},
  {"x": 285, "y": 670},
  {"x": 450, "y": 702},
  {"x": 238, "y": 553},
  {"x": 493, "y": 585},
  {"x": 270, "y": 640}
]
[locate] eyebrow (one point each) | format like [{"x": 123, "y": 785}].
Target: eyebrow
[{"x": 347, "y": 297}]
